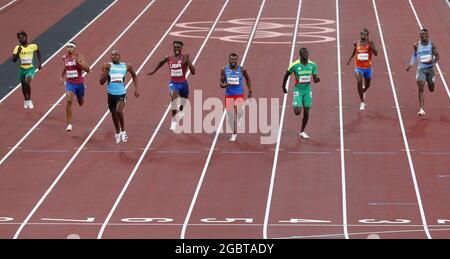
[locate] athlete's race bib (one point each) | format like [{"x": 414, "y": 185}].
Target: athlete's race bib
[
  {"x": 26, "y": 61},
  {"x": 363, "y": 56},
  {"x": 305, "y": 79},
  {"x": 72, "y": 73},
  {"x": 425, "y": 58},
  {"x": 176, "y": 72},
  {"x": 233, "y": 80},
  {"x": 116, "y": 78}
]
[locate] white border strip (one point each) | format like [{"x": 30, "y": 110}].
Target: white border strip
[
  {"x": 62, "y": 47},
  {"x": 92, "y": 132},
  {"x": 437, "y": 65},
  {"x": 8, "y": 4},
  {"x": 205, "y": 168},
  {"x": 341, "y": 127},
  {"x": 147, "y": 147},
  {"x": 277, "y": 147},
  {"x": 405, "y": 139}
]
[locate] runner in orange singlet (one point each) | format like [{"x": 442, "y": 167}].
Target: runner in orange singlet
[{"x": 364, "y": 48}]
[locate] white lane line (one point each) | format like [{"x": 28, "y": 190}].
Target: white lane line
[
  {"x": 437, "y": 65},
  {"x": 92, "y": 132},
  {"x": 405, "y": 139},
  {"x": 205, "y": 168},
  {"x": 375, "y": 153},
  {"x": 8, "y": 4},
  {"x": 310, "y": 152},
  {"x": 280, "y": 130},
  {"x": 341, "y": 127},
  {"x": 43, "y": 151},
  {"x": 63, "y": 96},
  {"x": 392, "y": 203},
  {"x": 62, "y": 47},
  {"x": 122, "y": 193}
]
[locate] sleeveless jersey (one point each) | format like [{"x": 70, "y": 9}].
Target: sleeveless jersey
[
  {"x": 234, "y": 79},
  {"x": 424, "y": 54},
  {"x": 73, "y": 71},
  {"x": 178, "y": 68},
  {"x": 116, "y": 79},
  {"x": 363, "y": 55}
]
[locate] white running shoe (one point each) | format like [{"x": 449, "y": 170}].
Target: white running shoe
[
  {"x": 25, "y": 104},
  {"x": 117, "y": 137},
  {"x": 362, "y": 106},
  {"x": 173, "y": 125},
  {"x": 421, "y": 112},
  {"x": 30, "y": 104},
  {"x": 69, "y": 127},
  {"x": 233, "y": 137},
  {"x": 304, "y": 135},
  {"x": 124, "y": 136}
]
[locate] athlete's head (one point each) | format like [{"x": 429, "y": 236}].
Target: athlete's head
[
  {"x": 304, "y": 53},
  {"x": 233, "y": 59},
  {"x": 115, "y": 56},
  {"x": 71, "y": 47},
  {"x": 22, "y": 36},
  {"x": 424, "y": 35},
  {"x": 364, "y": 34},
  {"x": 177, "y": 47}
]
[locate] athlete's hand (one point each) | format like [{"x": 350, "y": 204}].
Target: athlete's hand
[
  {"x": 223, "y": 85},
  {"x": 19, "y": 49},
  {"x": 39, "y": 67},
  {"x": 136, "y": 94},
  {"x": 316, "y": 80},
  {"x": 285, "y": 90},
  {"x": 348, "y": 62},
  {"x": 408, "y": 68},
  {"x": 151, "y": 73}
]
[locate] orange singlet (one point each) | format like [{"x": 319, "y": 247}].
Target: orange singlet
[{"x": 363, "y": 55}]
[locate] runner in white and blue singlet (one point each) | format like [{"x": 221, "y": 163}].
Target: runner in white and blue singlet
[
  {"x": 232, "y": 79},
  {"x": 426, "y": 55},
  {"x": 114, "y": 73}
]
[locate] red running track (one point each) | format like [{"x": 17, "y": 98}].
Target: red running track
[
  {"x": 32, "y": 17},
  {"x": 382, "y": 197}
]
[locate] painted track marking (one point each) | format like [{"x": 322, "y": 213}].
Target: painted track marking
[
  {"x": 402, "y": 127},
  {"x": 16, "y": 235},
  {"x": 205, "y": 168},
  {"x": 141, "y": 158}
]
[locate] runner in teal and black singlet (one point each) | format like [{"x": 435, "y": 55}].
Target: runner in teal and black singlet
[
  {"x": 303, "y": 69},
  {"x": 114, "y": 73}
]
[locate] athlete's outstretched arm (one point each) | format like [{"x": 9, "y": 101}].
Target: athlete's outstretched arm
[
  {"x": 191, "y": 67},
  {"x": 413, "y": 58},
  {"x": 223, "y": 82},
  {"x": 84, "y": 65},
  {"x": 15, "y": 56},
  {"x": 160, "y": 64},
  {"x": 249, "y": 84},
  {"x": 38, "y": 54},
  {"x": 104, "y": 75},
  {"x": 316, "y": 78},
  {"x": 61, "y": 78},
  {"x": 373, "y": 48},
  {"x": 353, "y": 53},
  {"x": 135, "y": 79},
  {"x": 435, "y": 53},
  {"x": 286, "y": 77}
]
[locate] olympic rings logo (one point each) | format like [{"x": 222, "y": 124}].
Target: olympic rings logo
[{"x": 269, "y": 30}]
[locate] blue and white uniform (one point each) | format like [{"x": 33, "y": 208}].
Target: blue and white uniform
[
  {"x": 235, "y": 81},
  {"x": 424, "y": 53}
]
